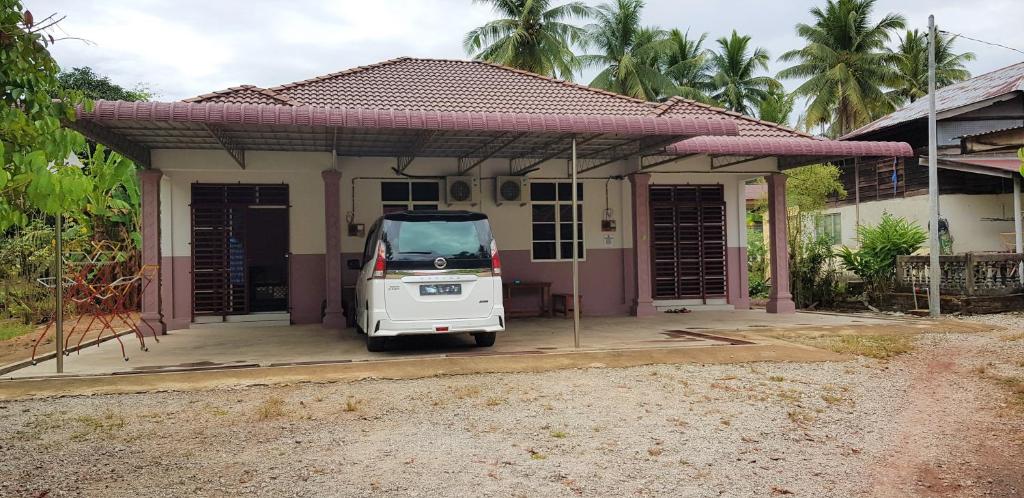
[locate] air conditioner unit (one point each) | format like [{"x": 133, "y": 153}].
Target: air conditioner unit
[
  {"x": 512, "y": 189},
  {"x": 462, "y": 190}
]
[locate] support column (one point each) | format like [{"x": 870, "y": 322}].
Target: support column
[
  {"x": 1018, "y": 225},
  {"x": 738, "y": 284},
  {"x": 152, "y": 316},
  {"x": 779, "y": 299},
  {"x": 333, "y": 317},
  {"x": 643, "y": 305}
]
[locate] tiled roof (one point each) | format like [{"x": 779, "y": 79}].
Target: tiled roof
[
  {"x": 791, "y": 146},
  {"x": 245, "y": 94},
  {"x": 444, "y": 85},
  {"x": 748, "y": 126},
  {"x": 977, "y": 89}
]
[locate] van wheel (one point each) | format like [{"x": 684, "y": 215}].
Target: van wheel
[
  {"x": 485, "y": 339},
  {"x": 375, "y": 344}
]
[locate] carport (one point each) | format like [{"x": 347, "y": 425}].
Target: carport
[{"x": 144, "y": 131}]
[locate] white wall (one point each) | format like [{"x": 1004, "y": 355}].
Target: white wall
[
  {"x": 966, "y": 213},
  {"x": 300, "y": 170}
]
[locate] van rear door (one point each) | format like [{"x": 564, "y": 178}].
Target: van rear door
[{"x": 438, "y": 266}]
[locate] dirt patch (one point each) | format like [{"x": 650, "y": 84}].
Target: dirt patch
[{"x": 20, "y": 348}]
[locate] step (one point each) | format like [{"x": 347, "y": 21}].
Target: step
[{"x": 272, "y": 319}]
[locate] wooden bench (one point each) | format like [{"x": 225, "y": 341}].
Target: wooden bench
[{"x": 562, "y": 303}]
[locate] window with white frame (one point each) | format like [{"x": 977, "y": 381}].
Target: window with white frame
[
  {"x": 409, "y": 196},
  {"x": 551, "y": 211},
  {"x": 829, "y": 227}
]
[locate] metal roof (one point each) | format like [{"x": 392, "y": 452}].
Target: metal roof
[
  {"x": 135, "y": 128},
  {"x": 978, "y": 89}
]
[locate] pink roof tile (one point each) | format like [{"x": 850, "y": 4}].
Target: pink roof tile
[
  {"x": 447, "y": 85},
  {"x": 748, "y": 126}
]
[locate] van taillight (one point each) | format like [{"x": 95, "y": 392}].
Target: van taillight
[
  {"x": 495, "y": 260},
  {"x": 378, "y": 265}
]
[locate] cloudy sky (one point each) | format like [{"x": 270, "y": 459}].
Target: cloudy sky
[{"x": 182, "y": 48}]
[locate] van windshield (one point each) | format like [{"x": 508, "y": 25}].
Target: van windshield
[{"x": 457, "y": 241}]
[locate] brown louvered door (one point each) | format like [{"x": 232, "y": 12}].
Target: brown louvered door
[
  {"x": 220, "y": 272},
  {"x": 688, "y": 241}
]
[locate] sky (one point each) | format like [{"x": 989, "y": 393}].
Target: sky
[{"x": 183, "y": 48}]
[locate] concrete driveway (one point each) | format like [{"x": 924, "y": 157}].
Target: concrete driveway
[{"x": 236, "y": 346}]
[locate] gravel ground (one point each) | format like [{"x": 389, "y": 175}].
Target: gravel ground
[{"x": 929, "y": 422}]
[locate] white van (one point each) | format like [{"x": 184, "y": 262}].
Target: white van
[{"x": 429, "y": 272}]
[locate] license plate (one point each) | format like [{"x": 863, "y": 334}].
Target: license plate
[{"x": 441, "y": 290}]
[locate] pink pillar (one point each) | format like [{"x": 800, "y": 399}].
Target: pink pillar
[
  {"x": 779, "y": 300},
  {"x": 333, "y": 317},
  {"x": 643, "y": 305},
  {"x": 152, "y": 314}
]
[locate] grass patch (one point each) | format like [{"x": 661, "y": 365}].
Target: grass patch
[
  {"x": 558, "y": 434},
  {"x": 800, "y": 417},
  {"x": 776, "y": 378},
  {"x": 352, "y": 405},
  {"x": 105, "y": 425},
  {"x": 272, "y": 407},
  {"x": 9, "y": 329},
  {"x": 1013, "y": 337},
  {"x": 873, "y": 346}
]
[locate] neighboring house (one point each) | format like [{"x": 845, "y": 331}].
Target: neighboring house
[
  {"x": 976, "y": 184},
  {"x": 254, "y": 198}
]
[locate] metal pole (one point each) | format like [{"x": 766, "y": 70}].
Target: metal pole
[
  {"x": 58, "y": 271},
  {"x": 1018, "y": 225},
  {"x": 575, "y": 256},
  {"x": 934, "y": 272}
]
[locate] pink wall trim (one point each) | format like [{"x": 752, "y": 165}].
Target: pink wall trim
[
  {"x": 738, "y": 280},
  {"x": 779, "y": 299},
  {"x": 332, "y": 277},
  {"x": 177, "y": 291},
  {"x": 639, "y": 184},
  {"x": 151, "y": 316},
  {"x": 306, "y": 289},
  {"x": 604, "y": 291}
]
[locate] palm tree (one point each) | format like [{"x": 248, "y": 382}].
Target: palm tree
[
  {"x": 776, "y": 107},
  {"x": 630, "y": 55},
  {"x": 530, "y": 35},
  {"x": 689, "y": 65},
  {"x": 912, "y": 66},
  {"x": 845, "y": 63},
  {"x": 735, "y": 81}
]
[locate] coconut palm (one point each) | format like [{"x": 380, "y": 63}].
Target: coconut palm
[
  {"x": 845, "y": 64},
  {"x": 735, "y": 80},
  {"x": 530, "y": 35},
  {"x": 776, "y": 107},
  {"x": 912, "y": 65},
  {"x": 688, "y": 63},
  {"x": 630, "y": 56}
]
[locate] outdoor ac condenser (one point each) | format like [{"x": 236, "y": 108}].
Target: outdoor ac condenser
[
  {"x": 511, "y": 189},
  {"x": 462, "y": 190}
]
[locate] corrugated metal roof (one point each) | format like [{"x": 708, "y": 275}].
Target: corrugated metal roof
[{"x": 980, "y": 88}]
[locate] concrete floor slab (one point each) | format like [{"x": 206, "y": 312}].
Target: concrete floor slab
[{"x": 238, "y": 346}]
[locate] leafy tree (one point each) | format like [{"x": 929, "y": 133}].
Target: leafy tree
[
  {"x": 737, "y": 85},
  {"x": 776, "y": 107},
  {"x": 911, "y": 82},
  {"x": 688, "y": 63},
  {"x": 875, "y": 260},
  {"x": 34, "y": 147},
  {"x": 530, "y": 35},
  {"x": 94, "y": 86},
  {"x": 813, "y": 275},
  {"x": 845, "y": 64},
  {"x": 630, "y": 56}
]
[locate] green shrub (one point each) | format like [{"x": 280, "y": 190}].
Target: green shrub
[
  {"x": 875, "y": 261},
  {"x": 814, "y": 275}
]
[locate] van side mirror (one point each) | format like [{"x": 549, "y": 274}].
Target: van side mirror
[{"x": 354, "y": 264}]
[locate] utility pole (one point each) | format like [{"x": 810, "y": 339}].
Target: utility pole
[
  {"x": 58, "y": 272},
  {"x": 934, "y": 272}
]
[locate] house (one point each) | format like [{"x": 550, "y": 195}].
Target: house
[
  {"x": 255, "y": 198},
  {"x": 976, "y": 181}
]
